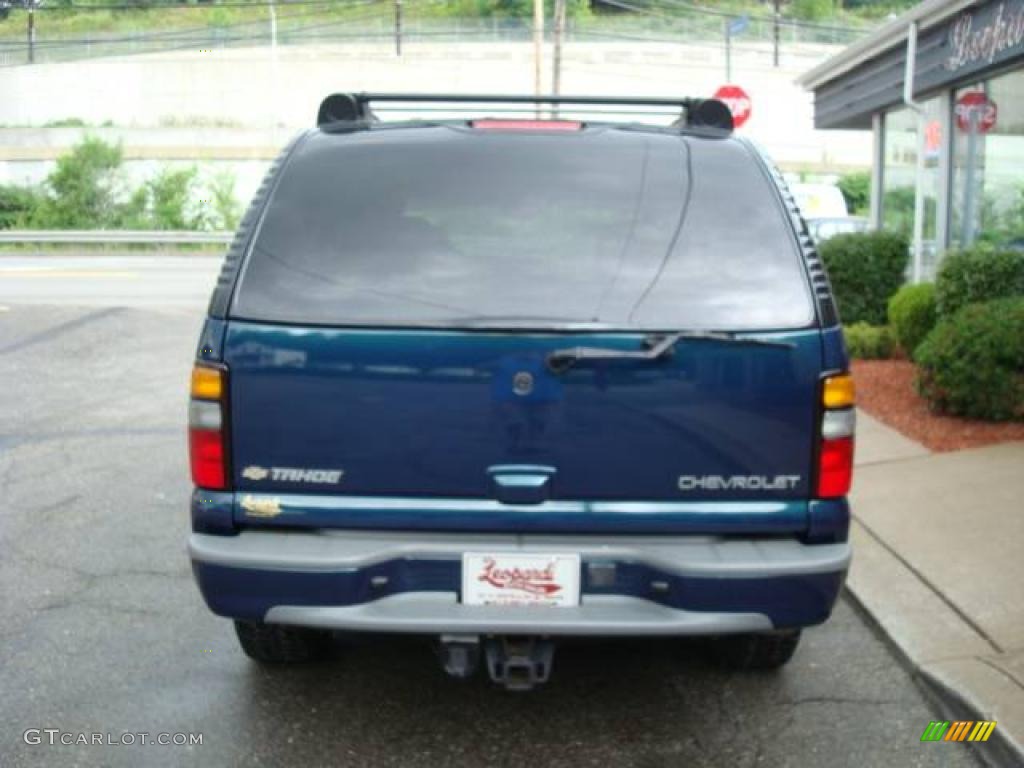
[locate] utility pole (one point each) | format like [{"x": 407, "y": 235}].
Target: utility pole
[
  {"x": 275, "y": 69},
  {"x": 538, "y": 48},
  {"x": 273, "y": 29},
  {"x": 775, "y": 35},
  {"x": 556, "y": 75},
  {"x": 728, "y": 50},
  {"x": 31, "y": 31},
  {"x": 398, "y": 27}
]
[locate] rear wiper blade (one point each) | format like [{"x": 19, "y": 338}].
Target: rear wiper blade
[{"x": 656, "y": 346}]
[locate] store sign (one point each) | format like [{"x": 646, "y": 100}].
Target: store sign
[
  {"x": 738, "y": 102},
  {"x": 986, "y": 36},
  {"x": 975, "y": 111},
  {"x": 974, "y": 44},
  {"x": 932, "y": 139}
]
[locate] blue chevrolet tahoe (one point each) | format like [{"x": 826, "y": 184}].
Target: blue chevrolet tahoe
[{"x": 498, "y": 382}]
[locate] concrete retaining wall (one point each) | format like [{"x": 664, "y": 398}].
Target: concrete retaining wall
[{"x": 272, "y": 96}]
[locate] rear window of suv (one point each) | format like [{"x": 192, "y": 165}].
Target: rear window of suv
[{"x": 451, "y": 227}]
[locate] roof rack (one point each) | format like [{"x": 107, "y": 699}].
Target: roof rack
[{"x": 689, "y": 112}]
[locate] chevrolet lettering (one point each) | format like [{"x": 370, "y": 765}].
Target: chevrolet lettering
[{"x": 738, "y": 482}]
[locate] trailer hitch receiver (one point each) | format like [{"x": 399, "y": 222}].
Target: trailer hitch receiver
[{"x": 519, "y": 663}]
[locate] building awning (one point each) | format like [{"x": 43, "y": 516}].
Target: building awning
[{"x": 956, "y": 40}]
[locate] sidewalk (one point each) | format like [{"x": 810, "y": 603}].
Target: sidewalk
[{"x": 939, "y": 564}]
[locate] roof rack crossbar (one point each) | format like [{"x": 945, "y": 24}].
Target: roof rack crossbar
[{"x": 694, "y": 112}]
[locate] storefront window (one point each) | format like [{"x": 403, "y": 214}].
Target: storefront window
[
  {"x": 899, "y": 175},
  {"x": 988, "y": 163}
]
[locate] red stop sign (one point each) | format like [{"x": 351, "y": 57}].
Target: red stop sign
[
  {"x": 736, "y": 99},
  {"x": 977, "y": 110}
]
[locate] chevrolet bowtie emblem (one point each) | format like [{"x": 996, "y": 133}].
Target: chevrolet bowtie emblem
[{"x": 261, "y": 507}]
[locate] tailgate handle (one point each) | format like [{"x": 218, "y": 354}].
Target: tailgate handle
[{"x": 521, "y": 483}]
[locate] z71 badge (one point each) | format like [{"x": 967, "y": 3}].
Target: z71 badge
[{"x": 294, "y": 474}]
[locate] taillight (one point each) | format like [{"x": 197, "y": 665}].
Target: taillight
[
  {"x": 207, "y": 444},
  {"x": 838, "y": 423},
  {"x": 489, "y": 124}
]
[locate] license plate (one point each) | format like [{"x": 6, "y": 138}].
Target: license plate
[{"x": 517, "y": 579}]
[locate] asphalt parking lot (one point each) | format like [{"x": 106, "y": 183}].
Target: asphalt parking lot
[{"x": 104, "y": 631}]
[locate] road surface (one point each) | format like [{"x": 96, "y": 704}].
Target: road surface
[
  {"x": 104, "y": 631},
  {"x": 122, "y": 280}
]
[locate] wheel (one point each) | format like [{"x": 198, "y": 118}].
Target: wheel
[
  {"x": 767, "y": 650},
  {"x": 280, "y": 644}
]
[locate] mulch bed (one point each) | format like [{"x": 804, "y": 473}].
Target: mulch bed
[{"x": 885, "y": 389}]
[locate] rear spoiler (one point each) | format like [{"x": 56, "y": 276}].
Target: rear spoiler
[{"x": 690, "y": 112}]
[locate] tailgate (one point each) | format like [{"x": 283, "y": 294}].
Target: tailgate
[{"x": 327, "y": 415}]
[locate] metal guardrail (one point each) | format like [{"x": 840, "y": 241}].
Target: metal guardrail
[{"x": 114, "y": 236}]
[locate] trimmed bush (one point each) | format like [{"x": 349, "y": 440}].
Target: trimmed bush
[
  {"x": 979, "y": 273},
  {"x": 912, "y": 315},
  {"x": 869, "y": 342},
  {"x": 972, "y": 364},
  {"x": 865, "y": 269}
]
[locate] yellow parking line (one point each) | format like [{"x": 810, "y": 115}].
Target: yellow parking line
[{"x": 32, "y": 272}]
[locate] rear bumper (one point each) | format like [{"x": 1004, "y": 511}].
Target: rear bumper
[{"x": 410, "y": 582}]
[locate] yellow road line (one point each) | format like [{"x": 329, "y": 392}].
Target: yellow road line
[{"x": 34, "y": 272}]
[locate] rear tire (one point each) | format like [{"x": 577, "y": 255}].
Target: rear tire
[
  {"x": 756, "y": 651},
  {"x": 280, "y": 644}
]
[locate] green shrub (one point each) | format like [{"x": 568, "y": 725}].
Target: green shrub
[
  {"x": 812, "y": 10},
  {"x": 86, "y": 190},
  {"x": 17, "y": 204},
  {"x": 171, "y": 196},
  {"x": 979, "y": 273},
  {"x": 912, "y": 314},
  {"x": 865, "y": 269},
  {"x": 227, "y": 211},
  {"x": 856, "y": 189},
  {"x": 869, "y": 342},
  {"x": 898, "y": 210},
  {"x": 972, "y": 363},
  {"x": 505, "y": 8},
  {"x": 65, "y": 122}
]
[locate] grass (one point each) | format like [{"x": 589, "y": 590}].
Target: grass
[{"x": 61, "y": 22}]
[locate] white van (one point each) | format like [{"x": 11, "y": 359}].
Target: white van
[{"x": 819, "y": 201}]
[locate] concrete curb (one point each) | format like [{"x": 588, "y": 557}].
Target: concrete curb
[
  {"x": 936, "y": 569},
  {"x": 1008, "y": 751},
  {"x": 908, "y": 615},
  {"x": 1002, "y": 750}
]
